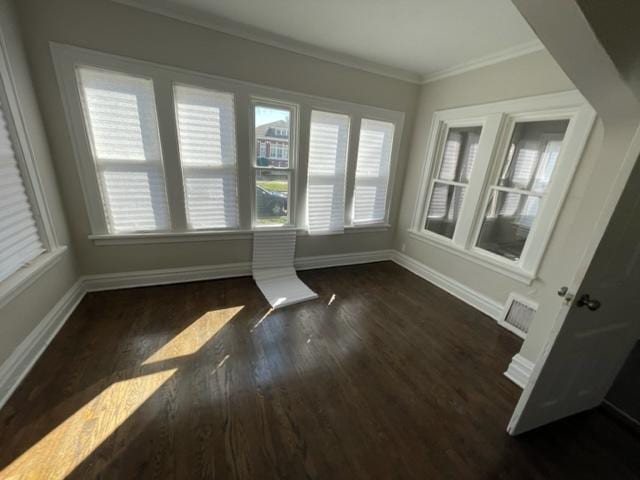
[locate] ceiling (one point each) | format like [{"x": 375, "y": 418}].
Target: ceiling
[{"x": 416, "y": 40}]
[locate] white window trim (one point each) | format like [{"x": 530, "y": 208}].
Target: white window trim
[
  {"x": 27, "y": 163},
  {"x": 498, "y": 120},
  {"x": 65, "y": 59}
]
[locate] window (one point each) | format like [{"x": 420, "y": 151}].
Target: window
[
  {"x": 449, "y": 185},
  {"x": 273, "y": 173},
  {"x": 515, "y": 200},
  {"x": 373, "y": 169},
  {"x": 20, "y": 240},
  {"x": 497, "y": 176},
  {"x": 328, "y": 144},
  {"x": 159, "y": 153},
  {"x": 120, "y": 115},
  {"x": 206, "y": 135}
]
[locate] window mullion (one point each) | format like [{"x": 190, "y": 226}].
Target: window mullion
[
  {"x": 471, "y": 205},
  {"x": 170, "y": 153},
  {"x": 246, "y": 172},
  {"x": 352, "y": 159},
  {"x": 302, "y": 167}
]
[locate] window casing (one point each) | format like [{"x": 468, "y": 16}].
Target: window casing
[{"x": 509, "y": 199}]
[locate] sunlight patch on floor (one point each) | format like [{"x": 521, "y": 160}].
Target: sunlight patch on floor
[
  {"x": 58, "y": 453},
  {"x": 193, "y": 338}
]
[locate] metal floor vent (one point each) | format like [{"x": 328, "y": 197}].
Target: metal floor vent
[{"x": 518, "y": 314}]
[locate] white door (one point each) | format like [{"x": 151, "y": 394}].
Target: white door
[{"x": 590, "y": 343}]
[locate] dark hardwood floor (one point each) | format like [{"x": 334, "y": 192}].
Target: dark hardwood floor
[{"x": 383, "y": 377}]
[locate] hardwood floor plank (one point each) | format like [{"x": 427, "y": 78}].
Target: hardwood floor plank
[{"x": 384, "y": 376}]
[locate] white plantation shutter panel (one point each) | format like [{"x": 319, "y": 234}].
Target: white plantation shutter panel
[
  {"x": 19, "y": 239},
  {"x": 206, "y": 133},
  {"x": 122, "y": 124},
  {"x": 372, "y": 171},
  {"x": 328, "y": 143}
]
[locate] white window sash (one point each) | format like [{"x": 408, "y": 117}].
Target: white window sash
[
  {"x": 498, "y": 121},
  {"x": 372, "y": 181},
  {"x": 327, "y": 164},
  {"x": 20, "y": 241}
]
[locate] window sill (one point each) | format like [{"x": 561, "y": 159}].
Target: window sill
[
  {"x": 212, "y": 235},
  {"x": 497, "y": 266},
  {"x": 368, "y": 228},
  {"x": 170, "y": 237},
  {"x": 26, "y": 276}
]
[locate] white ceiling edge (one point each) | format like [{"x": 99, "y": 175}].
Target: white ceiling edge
[
  {"x": 258, "y": 35},
  {"x": 492, "y": 59}
]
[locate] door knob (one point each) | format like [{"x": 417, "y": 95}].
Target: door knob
[{"x": 591, "y": 303}]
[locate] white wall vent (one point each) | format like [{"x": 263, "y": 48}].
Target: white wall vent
[{"x": 518, "y": 314}]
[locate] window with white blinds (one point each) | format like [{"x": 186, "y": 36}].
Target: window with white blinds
[
  {"x": 19, "y": 237},
  {"x": 372, "y": 171},
  {"x": 328, "y": 144},
  {"x": 121, "y": 119},
  {"x": 139, "y": 127},
  {"x": 206, "y": 135}
]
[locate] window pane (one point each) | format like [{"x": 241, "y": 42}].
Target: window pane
[
  {"x": 459, "y": 153},
  {"x": 272, "y": 194},
  {"x": 507, "y": 223},
  {"x": 532, "y": 154},
  {"x": 328, "y": 143},
  {"x": 206, "y": 134},
  {"x": 372, "y": 171},
  {"x": 272, "y": 136},
  {"x": 121, "y": 119},
  {"x": 444, "y": 208},
  {"x": 19, "y": 238}
]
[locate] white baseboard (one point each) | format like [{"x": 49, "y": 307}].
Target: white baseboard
[
  {"x": 519, "y": 370},
  {"x": 145, "y": 278},
  {"x": 476, "y": 299},
  {"x": 324, "y": 261},
  {"x": 16, "y": 367},
  {"x": 165, "y": 276}
]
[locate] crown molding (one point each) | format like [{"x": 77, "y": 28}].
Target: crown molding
[
  {"x": 258, "y": 35},
  {"x": 254, "y": 34},
  {"x": 485, "y": 61}
]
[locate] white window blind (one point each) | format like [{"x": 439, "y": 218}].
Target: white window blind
[
  {"x": 328, "y": 142},
  {"x": 206, "y": 133},
  {"x": 372, "y": 171},
  {"x": 19, "y": 238},
  {"x": 121, "y": 119}
]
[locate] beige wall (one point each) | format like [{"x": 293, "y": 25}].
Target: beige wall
[
  {"x": 22, "y": 314},
  {"x": 533, "y": 74},
  {"x": 615, "y": 23},
  {"x": 114, "y": 28}
]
